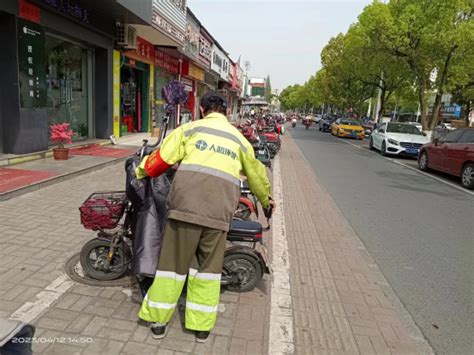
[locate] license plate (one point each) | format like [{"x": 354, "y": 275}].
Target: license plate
[
  {"x": 261, "y": 152},
  {"x": 412, "y": 150}
]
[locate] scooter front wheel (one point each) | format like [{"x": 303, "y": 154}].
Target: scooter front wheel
[
  {"x": 94, "y": 260},
  {"x": 244, "y": 271}
]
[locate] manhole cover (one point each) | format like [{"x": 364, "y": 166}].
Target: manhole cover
[{"x": 74, "y": 270}]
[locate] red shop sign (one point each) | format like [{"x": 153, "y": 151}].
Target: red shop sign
[
  {"x": 29, "y": 12},
  {"x": 145, "y": 49},
  {"x": 166, "y": 61}
]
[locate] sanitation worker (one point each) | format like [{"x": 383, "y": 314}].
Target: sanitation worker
[{"x": 202, "y": 201}]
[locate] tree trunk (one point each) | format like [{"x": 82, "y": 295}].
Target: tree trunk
[
  {"x": 423, "y": 104},
  {"x": 382, "y": 102},
  {"x": 442, "y": 83}
]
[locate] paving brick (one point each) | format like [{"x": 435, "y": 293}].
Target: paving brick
[
  {"x": 94, "y": 326},
  {"x": 101, "y": 311},
  {"x": 79, "y": 323},
  {"x": 175, "y": 344},
  {"x": 116, "y": 334},
  {"x": 238, "y": 346},
  {"x": 221, "y": 345},
  {"x": 62, "y": 314},
  {"x": 67, "y": 300},
  {"x": 53, "y": 324},
  {"x": 140, "y": 334},
  {"x": 104, "y": 346}
]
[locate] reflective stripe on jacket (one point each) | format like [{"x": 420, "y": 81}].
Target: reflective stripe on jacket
[{"x": 206, "y": 187}]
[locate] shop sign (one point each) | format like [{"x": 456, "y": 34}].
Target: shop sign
[
  {"x": 29, "y": 12},
  {"x": 145, "y": 50},
  {"x": 166, "y": 61},
  {"x": 167, "y": 27},
  {"x": 451, "y": 111},
  {"x": 205, "y": 49},
  {"x": 70, "y": 8},
  {"x": 191, "y": 45},
  {"x": 195, "y": 72},
  {"x": 31, "y": 64},
  {"x": 188, "y": 85}
]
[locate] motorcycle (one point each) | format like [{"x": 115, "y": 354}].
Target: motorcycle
[
  {"x": 109, "y": 255},
  {"x": 293, "y": 123},
  {"x": 307, "y": 123},
  {"x": 262, "y": 152},
  {"x": 247, "y": 203}
]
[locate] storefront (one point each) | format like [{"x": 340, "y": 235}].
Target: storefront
[
  {"x": 193, "y": 77},
  {"x": 54, "y": 62},
  {"x": 166, "y": 70},
  {"x": 136, "y": 82}
]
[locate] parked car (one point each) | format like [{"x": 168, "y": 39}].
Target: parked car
[
  {"x": 345, "y": 127},
  {"x": 453, "y": 154},
  {"x": 317, "y": 118},
  {"x": 325, "y": 123},
  {"x": 397, "y": 138},
  {"x": 417, "y": 125}
]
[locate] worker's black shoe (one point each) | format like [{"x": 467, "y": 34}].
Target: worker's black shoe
[
  {"x": 158, "y": 330},
  {"x": 201, "y": 336}
]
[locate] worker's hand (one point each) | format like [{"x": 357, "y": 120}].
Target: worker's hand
[
  {"x": 268, "y": 211},
  {"x": 140, "y": 171}
]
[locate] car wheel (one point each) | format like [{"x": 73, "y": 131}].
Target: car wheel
[
  {"x": 371, "y": 144},
  {"x": 423, "y": 161},
  {"x": 467, "y": 176},
  {"x": 383, "y": 150}
]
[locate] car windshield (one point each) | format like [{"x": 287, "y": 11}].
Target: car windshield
[
  {"x": 350, "y": 123},
  {"x": 403, "y": 128}
]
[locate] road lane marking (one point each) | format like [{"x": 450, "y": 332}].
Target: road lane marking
[
  {"x": 414, "y": 169},
  {"x": 281, "y": 315},
  {"x": 30, "y": 311}
]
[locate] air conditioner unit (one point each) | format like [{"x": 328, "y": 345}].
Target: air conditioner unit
[{"x": 127, "y": 36}]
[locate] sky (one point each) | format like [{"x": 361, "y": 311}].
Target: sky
[{"x": 280, "y": 38}]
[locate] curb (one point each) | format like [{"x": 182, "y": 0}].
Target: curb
[
  {"x": 57, "y": 179},
  {"x": 41, "y": 155}
]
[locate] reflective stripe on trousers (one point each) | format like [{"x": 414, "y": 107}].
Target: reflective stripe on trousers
[{"x": 196, "y": 248}]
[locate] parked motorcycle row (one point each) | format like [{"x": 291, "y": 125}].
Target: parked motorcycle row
[
  {"x": 119, "y": 220},
  {"x": 264, "y": 135}
]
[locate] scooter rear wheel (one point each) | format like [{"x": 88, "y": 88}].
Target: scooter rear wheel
[
  {"x": 92, "y": 259},
  {"x": 246, "y": 268}
]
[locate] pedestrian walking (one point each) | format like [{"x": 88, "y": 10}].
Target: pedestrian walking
[{"x": 202, "y": 202}]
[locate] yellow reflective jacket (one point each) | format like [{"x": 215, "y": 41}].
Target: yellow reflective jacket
[{"x": 206, "y": 187}]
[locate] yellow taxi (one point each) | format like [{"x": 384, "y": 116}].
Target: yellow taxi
[{"x": 346, "y": 127}]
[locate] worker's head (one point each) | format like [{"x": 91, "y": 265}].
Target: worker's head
[{"x": 213, "y": 101}]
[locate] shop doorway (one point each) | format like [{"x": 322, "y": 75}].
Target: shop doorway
[
  {"x": 69, "y": 85},
  {"x": 134, "y": 110}
]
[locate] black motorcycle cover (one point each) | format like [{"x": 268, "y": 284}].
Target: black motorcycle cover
[{"x": 148, "y": 217}]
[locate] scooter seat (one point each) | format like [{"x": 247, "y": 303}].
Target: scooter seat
[{"x": 245, "y": 228}]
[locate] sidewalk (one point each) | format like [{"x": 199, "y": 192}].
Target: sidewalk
[
  {"x": 23, "y": 177},
  {"x": 339, "y": 303},
  {"x": 336, "y": 301}
]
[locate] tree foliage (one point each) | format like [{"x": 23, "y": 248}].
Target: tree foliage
[{"x": 410, "y": 50}]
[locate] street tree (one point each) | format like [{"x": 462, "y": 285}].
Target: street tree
[{"x": 428, "y": 36}]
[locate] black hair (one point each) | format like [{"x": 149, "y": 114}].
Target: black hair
[{"x": 214, "y": 101}]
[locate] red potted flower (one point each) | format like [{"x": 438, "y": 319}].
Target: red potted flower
[{"x": 61, "y": 134}]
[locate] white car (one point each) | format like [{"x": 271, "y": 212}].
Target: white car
[
  {"x": 395, "y": 138},
  {"x": 417, "y": 125}
]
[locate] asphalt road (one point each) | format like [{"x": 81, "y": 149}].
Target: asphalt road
[{"x": 420, "y": 231}]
